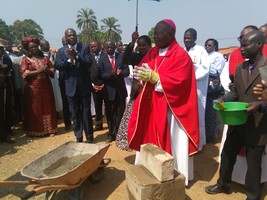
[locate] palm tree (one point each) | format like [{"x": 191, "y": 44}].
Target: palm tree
[
  {"x": 110, "y": 29},
  {"x": 86, "y": 22},
  {"x": 98, "y": 35}
]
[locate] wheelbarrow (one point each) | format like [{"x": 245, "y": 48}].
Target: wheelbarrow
[{"x": 64, "y": 168}]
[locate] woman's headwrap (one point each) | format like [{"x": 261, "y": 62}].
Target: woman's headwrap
[{"x": 27, "y": 40}]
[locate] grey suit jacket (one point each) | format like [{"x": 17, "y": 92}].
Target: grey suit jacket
[{"x": 255, "y": 130}]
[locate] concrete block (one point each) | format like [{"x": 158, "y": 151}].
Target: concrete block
[
  {"x": 129, "y": 195},
  {"x": 157, "y": 161},
  {"x": 142, "y": 185}
]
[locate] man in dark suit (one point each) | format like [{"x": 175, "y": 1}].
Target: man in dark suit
[
  {"x": 75, "y": 59},
  {"x": 112, "y": 71},
  {"x": 252, "y": 134},
  {"x": 97, "y": 84},
  {"x": 6, "y": 89},
  {"x": 65, "y": 103}
]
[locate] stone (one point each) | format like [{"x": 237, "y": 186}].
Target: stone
[
  {"x": 142, "y": 185},
  {"x": 157, "y": 161}
]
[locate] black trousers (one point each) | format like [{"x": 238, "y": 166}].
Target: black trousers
[
  {"x": 232, "y": 146},
  {"x": 114, "y": 113},
  {"x": 18, "y": 104},
  {"x": 98, "y": 100},
  {"x": 9, "y": 112},
  {"x": 3, "y": 133},
  {"x": 65, "y": 103},
  {"x": 80, "y": 107}
]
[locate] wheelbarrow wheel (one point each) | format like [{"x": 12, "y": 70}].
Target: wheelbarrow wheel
[
  {"x": 97, "y": 175},
  {"x": 74, "y": 194}
]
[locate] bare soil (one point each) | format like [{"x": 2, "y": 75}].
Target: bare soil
[{"x": 13, "y": 157}]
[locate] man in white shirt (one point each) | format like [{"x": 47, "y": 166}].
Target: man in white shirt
[{"x": 199, "y": 57}]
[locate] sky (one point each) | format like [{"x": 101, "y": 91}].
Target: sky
[{"x": 219, "y": 19}]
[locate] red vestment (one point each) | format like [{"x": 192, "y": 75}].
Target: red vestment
[
  {"x": 264, "y": 50},
  {"x": 234, "y": 60},
  {"x": 149, "y": 118}
]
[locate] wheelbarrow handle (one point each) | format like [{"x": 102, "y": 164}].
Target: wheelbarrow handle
[
  {"x": 8, "y": 183},
  {"x": 49, "y": 188},
  {"x": 105, "y": 162}
]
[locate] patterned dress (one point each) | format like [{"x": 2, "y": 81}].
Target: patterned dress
[
  {"x": 122, "y": 135},
  {"x": 39, "y": 104}
]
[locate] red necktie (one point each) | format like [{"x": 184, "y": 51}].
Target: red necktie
[{"x": 112, "y": 61}]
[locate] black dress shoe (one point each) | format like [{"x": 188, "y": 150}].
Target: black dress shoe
[
  {"x": 110, "y": 139},
  {"x": 67, "y": 127},
  {"x": 8, "y": 140},
  {"x": 98, "y": 128},
  {"x": 216, "y": 189},
  {"x": 90, "y": 141},
  {"x": 79, "y": 140}
]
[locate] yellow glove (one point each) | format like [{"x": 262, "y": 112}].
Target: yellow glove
[
  {"x": 154, "y": 77},
  {"x": 144, "y": 73},
  {"x": 141, "y": 73}
]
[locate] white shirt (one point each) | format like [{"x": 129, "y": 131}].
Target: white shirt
[
  {"x": 74, "y": 46},
  {"x": 97, "y": 56},
  {"x": 200, "y": 59},
  {"x": 217, "y": 62}
]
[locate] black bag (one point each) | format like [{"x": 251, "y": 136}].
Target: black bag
[{"x": 215, "y": 87}]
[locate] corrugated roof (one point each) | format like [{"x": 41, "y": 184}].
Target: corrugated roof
[{"x": 228, "y": 50}]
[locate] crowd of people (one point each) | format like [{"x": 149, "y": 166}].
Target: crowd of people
[{"x": 171, "y": 95}]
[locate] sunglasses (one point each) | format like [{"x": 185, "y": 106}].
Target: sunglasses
[
  {"x": 208, "y": 45},
  {"x": 240, "y": 38}
]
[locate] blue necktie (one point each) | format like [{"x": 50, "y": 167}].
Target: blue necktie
[{"x": 250, "y": 70}]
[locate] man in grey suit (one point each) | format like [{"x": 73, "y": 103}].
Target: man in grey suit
[
  {"x": 75, "y": 59},
  {"x": 252, "y": 134},
  {"x": 97, "y": 84}
]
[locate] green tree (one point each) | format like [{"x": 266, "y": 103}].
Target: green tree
[
  {"x": 87, "y": 23},
  {"x": 150, "y": 34},
  {"x": 110, "y": 29},
  {"x": 25, "y": 28},
  {"x": 4, "y": 31},
  {"x": 98, "y": 35}
]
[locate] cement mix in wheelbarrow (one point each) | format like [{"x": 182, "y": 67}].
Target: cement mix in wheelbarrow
[{"x": 65, "y": 164}]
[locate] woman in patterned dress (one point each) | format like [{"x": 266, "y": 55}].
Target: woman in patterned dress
[
  {"x": 131, "y": 58},
  {"x": 39, "y": 104}
]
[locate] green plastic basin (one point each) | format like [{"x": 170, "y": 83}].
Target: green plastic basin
[{"x": 234, "y": 114}]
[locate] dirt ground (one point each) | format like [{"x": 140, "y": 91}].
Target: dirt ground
[{"x": 112, "y": 187}]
